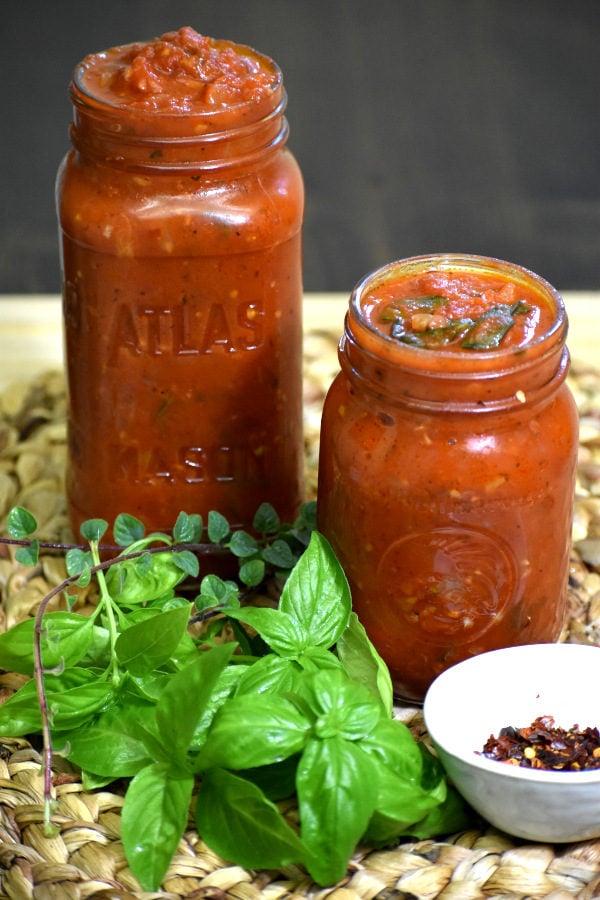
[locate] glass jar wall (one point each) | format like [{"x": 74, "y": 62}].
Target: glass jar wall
[
  {"x": 446, "y": 472},
  {"x": 180, "y": 211}
]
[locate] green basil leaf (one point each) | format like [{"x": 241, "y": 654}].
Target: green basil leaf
[
  {"x": 277, "y": 781},
  {"x": 407, "y": 306},
  {"x": 270, "y": 674},
  {"x": 143, "y": 580},
  {"x": 449, "y": 817},
  {"x": 76, "y": 706},
  {"x": 393, "y": 744},
  {"x": 400, "y": 804},
  {"x": 266, "y": 520},
  {"x": 20, "y": 714},
  {"x": 253, "y": 731},
  {"x": 98, "y": 653},
  {"x": 66, "y": 638},
  {"x": 364, "y": 664},
  {"x": 20, "y": 523},
  {"x": 153, "y": 820},
  {"x": 127, "y": 530},
  {"x": 276, "y": 628},
  {"x": 336, "y": 787},
  {"x": 187, "y": 528},
  {"x": 113, "y": 744},
  {"x": 185, "y": 698},
  {"x": 73, "y": 697},
  {"x": 316, "y": 595},
  {"x": 316, "y": 658},
  {"x": 224, "y": 687},
  {"x": 151, "y": 685},
  {"x": 342, "y": 707},
  {"x": 238, "y": 822},
  {"x": 487, "y": 331},
  {"x": 92, "y": 782},
  {"x": 433, "y": 337},
  {"x": 150, "y": 643},
  {"x": 16, "y": 648}
]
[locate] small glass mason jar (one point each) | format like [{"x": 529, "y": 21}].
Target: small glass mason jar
[
  {"x": 180, "y": 213},
  {"x": 446, "y": 477}
]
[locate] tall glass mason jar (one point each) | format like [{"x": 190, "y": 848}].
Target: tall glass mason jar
[
  {"x": 180, "y": 210},
  {"x": 447, "y": 461}
]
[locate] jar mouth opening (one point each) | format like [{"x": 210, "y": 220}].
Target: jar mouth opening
[
  {"x": 200, "y": 122},
  {"x": 462, "y": 263}
]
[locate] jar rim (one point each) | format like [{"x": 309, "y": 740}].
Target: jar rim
[
  {"x": 200, "y": 123},
  {"x": 466, "y": 262}
]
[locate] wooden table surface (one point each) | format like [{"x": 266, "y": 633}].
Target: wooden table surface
[{"x": 31, "y": 329}]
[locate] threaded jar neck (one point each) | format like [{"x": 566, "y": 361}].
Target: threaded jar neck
[{"x": 123, "y": 132}]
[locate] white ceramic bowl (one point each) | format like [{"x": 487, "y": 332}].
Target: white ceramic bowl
[{"x": 478, "y": 697}]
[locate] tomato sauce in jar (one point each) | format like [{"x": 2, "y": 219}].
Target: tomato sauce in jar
[
  {"x": 447, "y": 463},
  {"x": 180, "y": 209}
]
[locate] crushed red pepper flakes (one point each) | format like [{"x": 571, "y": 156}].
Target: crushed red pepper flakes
[{"x": 544, "y": 745}]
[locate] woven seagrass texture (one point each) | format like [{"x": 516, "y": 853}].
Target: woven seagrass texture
[{"x": 85, "y": 859}]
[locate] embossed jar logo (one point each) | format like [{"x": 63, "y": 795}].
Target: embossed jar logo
[{"x": 428, "y": 575}]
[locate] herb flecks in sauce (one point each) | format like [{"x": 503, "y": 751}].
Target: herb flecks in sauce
[{"x": 428, "y": 322}]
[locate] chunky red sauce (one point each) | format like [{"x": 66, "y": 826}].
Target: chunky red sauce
[
  {"x": 459, "y": 311},
  {"x": 180, "y": 72}
]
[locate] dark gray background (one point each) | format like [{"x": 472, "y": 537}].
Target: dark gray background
[{"x": 420, "y": 125}]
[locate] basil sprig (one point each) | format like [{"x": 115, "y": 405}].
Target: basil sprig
[{"x": 298, "y": 705}]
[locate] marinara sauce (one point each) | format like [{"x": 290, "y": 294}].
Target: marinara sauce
[
  {"x": 180, "y": 209},
  {"x": 447, "y": 461}
]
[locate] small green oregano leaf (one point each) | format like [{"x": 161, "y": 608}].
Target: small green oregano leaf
[
  {"x": 187, "y": 562},
  {"x": 20, "y": 523},
  {"x": 252, "y": 572},
  {"x": 218, "y": 527},
  {"x": 279, "y": 554},
  {"x": 215, "y": 593},
  {"x": 266, "y": 520},
  {"x": 187, "y": 528},
  {"x": 77, "y": 561},
  {"x": 127, "y": 529},
  {"x": 243, "y": 544},
  {"x": 29, "y": 555},
  {"x": 93, "y": 530}
]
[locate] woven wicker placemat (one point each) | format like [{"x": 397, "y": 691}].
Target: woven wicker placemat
[{"x": 85, "y": 859}]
